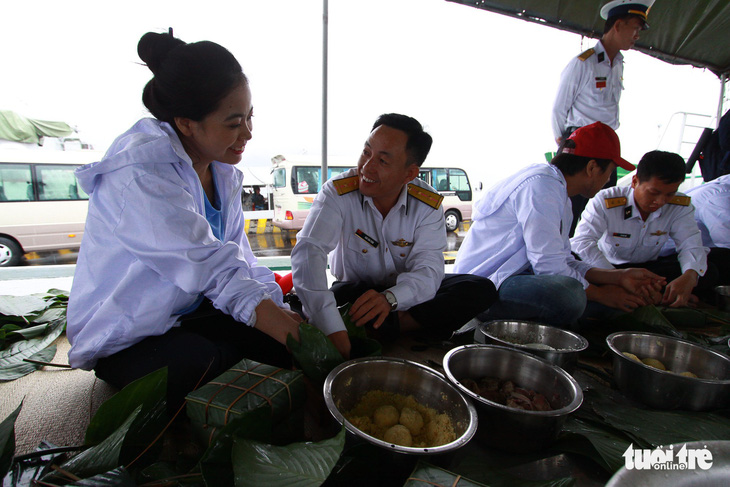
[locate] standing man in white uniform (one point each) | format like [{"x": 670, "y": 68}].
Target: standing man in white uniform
[
  {"x": 384, "y": 230},
  {"x": 591, "y": 84},
  {"x": 628, "y": 226},
  {"x": 519, "y": 237}
]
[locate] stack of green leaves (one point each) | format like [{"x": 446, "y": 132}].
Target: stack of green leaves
[
  {"x": 316, "y": 355},
  {"x": 28, "y": 327}
]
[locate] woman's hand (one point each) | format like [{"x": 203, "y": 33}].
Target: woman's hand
[{"x": 276, "y": 322}]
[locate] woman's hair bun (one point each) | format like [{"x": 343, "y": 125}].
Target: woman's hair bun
[{"x": 153, "y": 48}]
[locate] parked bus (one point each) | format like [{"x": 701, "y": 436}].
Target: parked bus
[
  {"x": 296, "y": 183},
  {"x": 42, "y": 206}
]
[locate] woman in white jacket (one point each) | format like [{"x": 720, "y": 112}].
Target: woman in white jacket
[{"x": 165, "y": 275}]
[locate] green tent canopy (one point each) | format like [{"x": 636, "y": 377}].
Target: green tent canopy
[
  {"x": 18, "y": 128},
  {"x": 695, "y": 32}
]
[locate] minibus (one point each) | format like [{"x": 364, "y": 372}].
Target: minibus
[{"x": 42, "y": 206}]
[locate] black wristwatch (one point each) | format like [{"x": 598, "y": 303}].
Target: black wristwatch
[{"x": 390, "y": 297}]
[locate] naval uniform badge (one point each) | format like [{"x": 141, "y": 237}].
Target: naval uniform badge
[
  {"x": 346, "y": 185},
  {"x": 680, "y": 200},
  {"x": 586, "y": 54},
  {"x": 422, "y": 194},
  {"x": 367, "y": 238},
  {"x": 628, "y": 211},
  {"x": 402, "y": 243},
  {"x": 658, "y": 233},
  {"x": 614, "y": 202}
]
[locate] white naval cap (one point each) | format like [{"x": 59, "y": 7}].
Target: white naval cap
[{"x": 626, "y": 7}]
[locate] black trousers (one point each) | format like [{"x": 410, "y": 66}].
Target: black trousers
[
  {"x": 206, "y": 344},
  {"x": 720, "y": 258},
  {"x": 459, "y": 299},
  {"x": 669, "y": 268}
]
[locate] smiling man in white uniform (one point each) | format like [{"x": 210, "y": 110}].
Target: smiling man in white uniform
[{"x": 384, "y": 230}]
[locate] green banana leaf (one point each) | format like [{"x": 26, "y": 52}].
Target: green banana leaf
[
  {"x": 7, "y": 441},
  {"x": 314, "y": 353},
  {"x": 11, "y": 358},
  {"x": 216, "y": 464},
  {"x": 426, "y": 475},
  {"x": 149, "y": 393},
  {"x": 100, "y": 458},
  {"x": 22, "y": 305},
  {"x": 294, "y": 465},
  {"x": 608, "y": 443},
  {"x": 118, "y": 477},
  {"x": 16, "y": 366}
]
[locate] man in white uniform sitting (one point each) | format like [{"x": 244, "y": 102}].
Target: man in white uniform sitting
[
  {"x": 628, "y": 226},
  {"x": 385, "y": 233}
]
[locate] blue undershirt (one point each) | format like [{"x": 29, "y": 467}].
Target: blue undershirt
[{"x": 217, "y": 225}]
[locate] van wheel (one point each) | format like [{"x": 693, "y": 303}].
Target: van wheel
[
  {"x": 452, "y": 220},
  {"x": 10, "y": 253}
]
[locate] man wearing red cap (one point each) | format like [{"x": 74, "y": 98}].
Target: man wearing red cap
[
  {"x": 519, "y": 237},
  {"x": 591, "y": 84}
]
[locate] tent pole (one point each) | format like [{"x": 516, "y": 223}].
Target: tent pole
[
  {"x": 325, "y": 22},
  {"x": 723, "y": 83}
]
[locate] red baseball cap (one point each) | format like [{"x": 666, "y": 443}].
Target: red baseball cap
[{"x": 598, "y": 141}]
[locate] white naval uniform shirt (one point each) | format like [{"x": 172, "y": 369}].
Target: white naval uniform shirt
[
  {"x": 589, "y": 91},
  {"x": 712, "y": 211},
  {"x": 612, "y": 232},
  {"x": 403, "y": 251},
  {"x": 519, "y": 224}
]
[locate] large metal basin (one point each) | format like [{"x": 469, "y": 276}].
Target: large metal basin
[
  {"x": 349, "y": 382},
  {"x": 505, "y": 427}
]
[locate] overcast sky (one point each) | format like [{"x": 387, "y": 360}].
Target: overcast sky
[{"x": 482, "y": 83}]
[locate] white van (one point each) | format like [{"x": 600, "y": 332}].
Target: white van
[
  {"x": 42, "y": 206},
  {"x": 296, "y": 183}
]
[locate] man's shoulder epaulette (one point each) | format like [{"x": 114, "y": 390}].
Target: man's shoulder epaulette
[
  {"x": 421, "y": 194},
  {"x": 614, "y": 202},
  {"x": 346, "y": 185},
  {"x": 681, "y": 200},
  {"x": 586, "y": 54}
]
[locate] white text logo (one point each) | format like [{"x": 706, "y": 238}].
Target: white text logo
[{"x": 667, "y": 459}]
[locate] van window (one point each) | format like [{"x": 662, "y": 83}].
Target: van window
[
  {"x": 15, "y": 182},
  {"x": 58, "y": 183},
  {"x": 279, "y": 178},
  {"x": 459, "y": 182},
  {"x": 305, "y": 180}
]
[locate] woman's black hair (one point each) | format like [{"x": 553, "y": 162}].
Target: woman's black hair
[
  {"x": 189, "y": 80},
  {"x": 570, "y": 164}
]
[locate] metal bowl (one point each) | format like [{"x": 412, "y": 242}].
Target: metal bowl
[
  {"x": 509, "y": 428},
  {"x": 347, "y": 383},
  {"x": 668, "y": 390},
  {"x": 722, "y": 294},
  {"x": 717, "y": 474},
  {"x": 518, "y": 334}
]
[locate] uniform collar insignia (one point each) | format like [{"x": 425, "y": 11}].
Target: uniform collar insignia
[
  {"x": 601, "y": 56},
  {"x": 658, "y": 233},
  {"x": 402, "y": 243},
  {"x": 628, "y": 211}
]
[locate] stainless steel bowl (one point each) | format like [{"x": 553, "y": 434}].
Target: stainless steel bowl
[
  {"x": 348, "y": 383},
  {"x": 508, "y": 428},
  {"x": 667, "y": 390},
  {"x": 722, "y": 294},
  {"x": 718, "y": 474},
  {"x": 518, "y": 334}
]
